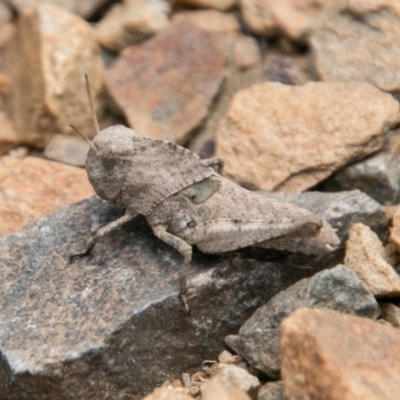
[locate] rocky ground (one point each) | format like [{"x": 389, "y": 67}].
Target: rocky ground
[{"x": 301, "y": 100}]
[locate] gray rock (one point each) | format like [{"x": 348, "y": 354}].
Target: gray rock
[
  {"x": 272, "y": 391},
  {"x": 377, "y": 175},
  {"x": 338, "y": 288},
  {"x": 111, "y": 325}
]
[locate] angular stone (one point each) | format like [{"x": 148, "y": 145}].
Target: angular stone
[
  {"x": 349, "y": 33},
  {"x": 366, "y": 255},
  {"x": 67, "y": 149},
  {"x": 391, "y": 314},
  {"x": 272, "y": 391},
  {"x": 32, "y": 187},
  {"x": 289, "y": 138},
  {"x": 215, "y": 390},
  {"x": 131, "y": 22},
  {"x": 395, "y": 230},
  {"x": 49, "y": 95},
  {"x": 334, "y": 356},
  {"x": 246, "y": 52},
  {"x": 8, "y": 137},
  {"x": 292, "y": 18},
  {"x": 84, "y": 8},
  {"x": 167, "y": 394},
  {"x": 377, "y": 175},
  {"x": 84, "y": 330},
  {"x": 149, "y": 82},
  {"x": 216, "y": 4},
  {"x": 338, "y": 288}
]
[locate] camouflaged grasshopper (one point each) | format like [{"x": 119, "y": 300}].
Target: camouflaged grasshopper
[{"x": 187, "y": 202}]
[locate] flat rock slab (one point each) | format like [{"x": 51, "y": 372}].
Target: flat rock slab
[{"x": 111, "y": 325}]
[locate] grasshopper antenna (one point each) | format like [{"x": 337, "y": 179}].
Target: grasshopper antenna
[
  {"x": 89, "y": 93},
  {"x": 84, "y": 136}
]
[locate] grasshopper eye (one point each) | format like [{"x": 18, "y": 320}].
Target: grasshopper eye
[{"x": 191, "y": 224}]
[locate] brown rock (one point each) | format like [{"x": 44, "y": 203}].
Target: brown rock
[
  {"x": 49, "y": 95},
  {"x": 131, "y": 22},
  {"x": 165, "y": 85},
  {"x": 167, "y": 394},
  {"x": 391, "y": 314},
  {"x": 327, "y": 355},
  {"x": 395, "y": 230},
  {"x": 84, "y": 8},
  {"x": 366, "y": 255},
  {"x": 67, "y": 149},
  {"x": 288, "y": 138},
  {"x": 292, "y": 18},
  {"x": 215, "y": 390},
  {"x": 359, "y": 40},
  {"x": 32, "y": 187},
  {"x": 246, "y": 52},
  {"x": 8, "y": 137},
  {"x": 217, "y": 4},
  {"x": 212, "y": 20}
]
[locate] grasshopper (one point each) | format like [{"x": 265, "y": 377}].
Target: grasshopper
[{"x": 187, "y": 202}]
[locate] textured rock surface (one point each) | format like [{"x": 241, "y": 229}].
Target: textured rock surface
[
  {"x": 391, "y": 314},
  {"x": 289, "y": 138},
  {"x": 84, "y": 8},
  {"x": 272, "y": 391},
  {"x": 132, "y": 22},
  {"x": 45, "y": 98},
  {"x": 67, "y": 149},
  {"x": 150, "y": 82},
  {"x": 8, "y": 136},
  {"x": 217, "y": 4},
  {"x": 338, "y": 288},
  {"x": 32, "y": 187},
  {"x": 366, "y": 255},
  {"x": 215, "y": 390},
  {"x": 85, "y": 330},
  {"x": 292, "y": 18},
  {"x": 332, "y": 356},
  {"x": 167, "y": 394},
  {"x": 377, "y": 175},
  {"x": 359, "y": 40},
  {"x": 395, "y": 230}
]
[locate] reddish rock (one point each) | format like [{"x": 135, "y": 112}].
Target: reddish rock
[
  {"x": 366, "y": 255},
  {"x": 327, "y": 355},
  {"x": 32, "y": 187},
  {"x": 131, "y": 22},
  {"x": 359, "y": 41},
  {"x": 165, "y": 85},
  {"x": 45, "y": 98},
  {"x": 289, "y": 138},
  {"x": 246, "y": 52}
]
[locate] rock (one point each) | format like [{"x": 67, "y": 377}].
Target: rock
[
  {"x": 116, "y": 313},
  {"x": 338, "y": 288},
  {"x": 216, "y": 4},
  {"x": 32, "y": 187},
  {"x": 8, "y": 137},
  {"x": 391, "y": 314},
  {"x": 246, "y": 52},
  {"x": 67, "y": 149},
  {"x": 341, "y": 209},
  {"x": 395, "y": 230},
  {"x": 377, "y": 175},
  {"x": 346, "y": 36},
  {"x": 366, "y": 255},
  {"x": 149, "y": 82},
  {"x": 49, "y": 95},
  {"x": 215, "y": 390},
  {"x": 85, "y": 8},
  {"x": 232, "y": 376},
  {"x": 329, "y": 355},
  {"x": 293, "y": 147},
  {"x": 6, "y": 14},
  {"x": 272, "y": 391},
  {"x": 132, "y": 22},
  {"x": 291, "y": 18},
  {"x": 167, "y": 394},
  {"x": 212, "y": 20}
]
